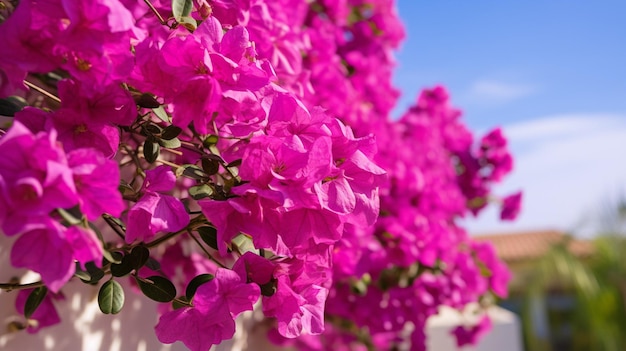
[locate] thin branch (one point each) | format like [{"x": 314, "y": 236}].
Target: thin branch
[
  {"x": 164, "y": 238},
  {"x": 42, "y": 91},
  {"x": 18, "y": 286},
  {"x": 154, "y": 10},
  {"x": 114, "y": 226},
  {"x": 205, "y": 250}
]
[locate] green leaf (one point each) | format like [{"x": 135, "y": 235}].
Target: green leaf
[
  {"x": 81, "y": 274},
  {"x": 180, "y": 302},
  {"x": 153, "y": 129},
  {"x": 157, "y": 288},
  {"x": 35, "y": 298},
  {"x": 189, "y": 23},
  {"x": 160, "y": 112},
  {"x": 170, "y": 143},
  {"x": 243, "y": 243},
  {"x": 141, "y": 255},
  {"x": 113, "y": 257},
  {"x": 11, "y": 105},
  {"x": 210, "y": 165},
  {"x": 269, "y": 288},
  {"x": 209, "y": 236},
  {"x": 147, "y": 101},
  {"x": 111, "y": 297},
  {"x": 210, "y": 141},
  {"x": 125, "y": 267},
  {"x": 151, "y": 150},
  {"x": 94, "y": 272},
  {"x": 195, "y": 283},
  {"x": 235, "y": 163},
  {"x": 191, "y": 171},
  {"x": 200, "y": 191},
  {"x": 171, "y": 132},
  {"x": 181, "y": 8},
  {"x": 68, "y": 217}
]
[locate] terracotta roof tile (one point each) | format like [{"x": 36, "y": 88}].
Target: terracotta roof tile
[{"x": 533, "y": 244}]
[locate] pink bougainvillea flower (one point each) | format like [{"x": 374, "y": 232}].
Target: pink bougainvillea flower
[
  {"x": 500, "y": 274},
  {"x": 96, "y": 180},
  {"x": 46, "y": 314},
  {"x": 45, "y": 251},
  {"x": 77, "y": 131},
  {"x": 298, "y": 312},
  {"x": 211, "y": 319},
  {"x": 471, "y": 336},
  {"x": 511, "y": 206},
  {"x": 155, "y": 211},
  {"x": 111, "y": 104},
  {"x": 51, "y": 249},
  {"x": 33, "y": 186}
]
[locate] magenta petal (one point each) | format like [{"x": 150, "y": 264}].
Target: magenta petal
[
  {"x": 46, "y": 314},
  {"x": 511, "y": 206},
  {"x": 160, "y": 179},
  {"x": 85, "y": 245},
  {"x": 197, "y": 329},
  {"x": 337, "y": 196},
  {"x": 96, "y": 180},
  {"x": 155, "y": 213},
  {"x": 45, "y": 252},
  {"x": 239, "y": 295}
]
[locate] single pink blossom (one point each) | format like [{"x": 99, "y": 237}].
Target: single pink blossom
[
  {"x": 155, "y": 211},
  {"x": 511, "y": 206},
  {"x": 211, "y": 319},
  {"x": 96, "y": 180},
  {"x": 46, "y": 314}
]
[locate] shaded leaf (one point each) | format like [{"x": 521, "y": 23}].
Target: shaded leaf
[
  {"x": 35, "y": 298},
  {"x": 180, "y": 302},
  {"x": 111, "y": 297},
  {"x": 153, "y": 129},
  {"x": 11, "y": 105},
  {"x": 113, "y": 257},
  {"x": 235, "y": 163},
  {"x": 195, "y": 283},
  {"x": 191, "y": 171},
  {"x": 147, "y": 101},
  {"x": 210, "y": 166},
  {"x": 94, "y": 272},
  {"x": 151, "y": 150},
  {"x": 171, "y": 132},
  {"x": 157, "y": 288},
  {"x": 209, "y": 236},
  {"x": 125, "y": 267},
  {"x": 141, "y": 255}
]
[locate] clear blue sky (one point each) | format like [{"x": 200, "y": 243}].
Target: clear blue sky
[{"x": 552, "y": 73}]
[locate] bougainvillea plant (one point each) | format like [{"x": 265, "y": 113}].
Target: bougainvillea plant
[{"x": 227, "y": 154}]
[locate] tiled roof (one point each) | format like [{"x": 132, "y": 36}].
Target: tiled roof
[{"x": 529, "y": 245}]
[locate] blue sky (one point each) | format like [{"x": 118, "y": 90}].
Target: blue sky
[{"x": 552, "y": 74}]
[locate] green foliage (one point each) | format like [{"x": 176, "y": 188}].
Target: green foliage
[{"x": 157, "y": 288}]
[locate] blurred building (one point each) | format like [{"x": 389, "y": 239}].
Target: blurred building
[{"x": 545, "y": 302}]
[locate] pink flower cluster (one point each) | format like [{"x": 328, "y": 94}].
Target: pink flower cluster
[{"x": 252, "y": 139}]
